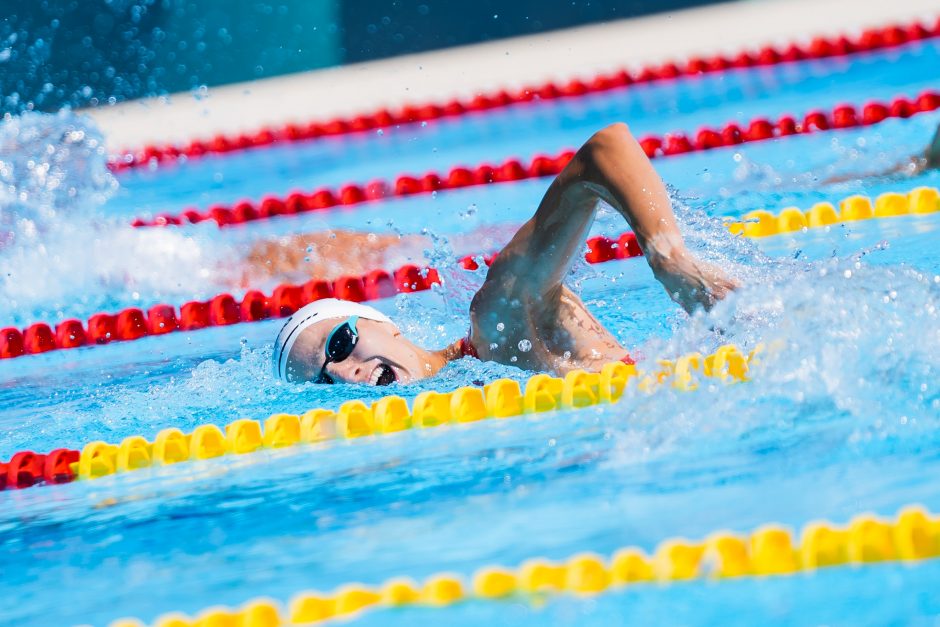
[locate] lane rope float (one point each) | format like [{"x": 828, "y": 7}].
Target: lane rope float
[
  {"x": 855, "y": 208},
  {"x": 503, "y": 398},
  {"x": 842, "y": 116},
  {"x": 819, "y": 48},
  {"x": 221, "y": 310},
  {"x": 912, "y": 535}
]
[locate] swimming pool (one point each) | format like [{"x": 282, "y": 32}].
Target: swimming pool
[{"x": 838, "y": 419}]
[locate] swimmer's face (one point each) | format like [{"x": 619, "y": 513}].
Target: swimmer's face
[{"x": 382, "y": 355}]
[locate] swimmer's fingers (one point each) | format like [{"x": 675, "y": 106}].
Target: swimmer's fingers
[
  {"x": 719, "y": 285},
  {"x": 933, "y": 151},
  {"x": 721, "y": 289},
  {"x": 693, "y": 283},
  {"x": 714, "y": 287}
]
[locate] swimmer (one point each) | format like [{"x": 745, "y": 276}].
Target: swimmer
[
  {"x": 331, "y": 254},
  {"x": 522, "y": 315},
  {"x": 910, "y": 166},
  {"x": 334, "y": 253},
  {"x": 931, "y": 158}
]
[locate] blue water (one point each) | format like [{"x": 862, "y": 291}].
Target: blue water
[
  {"x": 841, "y": 419},
  {"x": 528, "y": 129}
]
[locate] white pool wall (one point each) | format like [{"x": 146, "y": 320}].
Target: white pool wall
[{"x": 467, "y": 70}]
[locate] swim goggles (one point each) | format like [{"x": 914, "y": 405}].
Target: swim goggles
[{"x": 340, "y": 344}]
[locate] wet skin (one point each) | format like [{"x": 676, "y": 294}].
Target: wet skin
[{"x": 523, "y": 315}]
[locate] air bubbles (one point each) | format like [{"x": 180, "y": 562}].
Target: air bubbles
[{"x": 525, "y": 345}]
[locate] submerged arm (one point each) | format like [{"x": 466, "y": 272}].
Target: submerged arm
[
  {"x": 932, "y": 154},
  {"x": 612, "y": 167},
  {"x": 911, "y": 166}
]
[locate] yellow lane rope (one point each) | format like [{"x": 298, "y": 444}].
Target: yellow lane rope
[
  {"x": 912, "y": 535},
  {"x": 763, "y": 223},
  {"x": 502, "y": 398}
]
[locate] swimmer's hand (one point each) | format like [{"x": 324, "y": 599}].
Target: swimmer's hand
[
  {"x": 689, "y": 281},
  {"x": 932, "y": 155}
]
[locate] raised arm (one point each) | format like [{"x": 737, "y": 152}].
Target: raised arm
[{"x": 610, "y": 166}]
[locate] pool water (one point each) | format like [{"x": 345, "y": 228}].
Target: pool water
[{"x": 841, "y": 417}]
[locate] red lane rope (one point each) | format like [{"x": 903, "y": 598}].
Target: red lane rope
[
  {"x": 759, "y": 129},
  {"x": 819, "y": 48},
  {"x": 221, "y": 310},
  {"x": 26, "y": 468}
]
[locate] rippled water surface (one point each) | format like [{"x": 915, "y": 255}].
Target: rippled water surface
[{"x": 840, "y": 416}]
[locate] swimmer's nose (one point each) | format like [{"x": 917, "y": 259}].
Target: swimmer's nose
[{"x": 349, "y": 371}]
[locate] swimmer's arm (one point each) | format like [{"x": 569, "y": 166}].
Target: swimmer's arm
[
  {"x": 612, "y": 167},
  {"x": 912, "y": 166},
  {"x": 932, "y": 154},
  {"x": 323, "y": 254}
]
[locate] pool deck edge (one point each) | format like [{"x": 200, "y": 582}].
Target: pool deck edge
[{"x": 437, "y": 76}]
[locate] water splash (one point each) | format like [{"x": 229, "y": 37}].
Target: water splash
[
  {"x": 60, "y": 255},
  {"x": 849, "y": 366},
  {"x": 50, "y": 166}
]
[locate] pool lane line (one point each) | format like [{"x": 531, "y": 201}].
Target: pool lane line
[
  {"x": 221, "y": 310},
  {"x": 771, "y": 550},
  {"x": 843, "y": 116},
  {"x": 503, "y": 398},
  {"x": 133, "y": 323},
  {"x": 762, "y": 223},
  {"x": 890, "y": 36}
]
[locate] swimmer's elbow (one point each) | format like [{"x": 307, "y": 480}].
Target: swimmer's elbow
[
  {"x": 599, "y": 158},
  {"x": 604, "y": 144},
  {"x": 610, "y": 137},
  {"x": 618, "y": 131}
]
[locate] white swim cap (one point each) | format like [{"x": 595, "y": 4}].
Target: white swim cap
[{"x": 323, "y": 309}]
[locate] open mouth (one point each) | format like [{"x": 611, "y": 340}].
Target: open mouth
[{"x": 382, "y": 375}]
